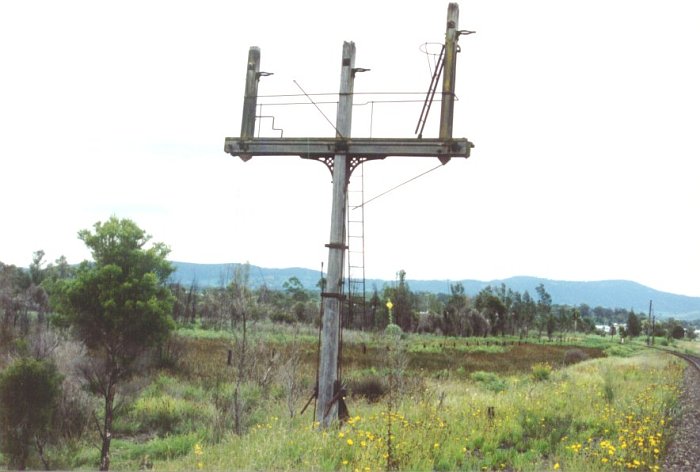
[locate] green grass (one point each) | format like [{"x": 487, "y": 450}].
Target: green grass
[
  {"x": 503, "y": 405},
  {"x": 563, "y": 420}
]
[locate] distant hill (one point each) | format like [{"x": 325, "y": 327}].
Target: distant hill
[
  {"x": 216, "y": 275},
  {"x": 605, "y": 293}
]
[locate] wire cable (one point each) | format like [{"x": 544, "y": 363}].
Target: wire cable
[
  {"x": 319, "y": 110},
  {"x": 397, "y": 186},
  {"x": 335, "y": 93}
]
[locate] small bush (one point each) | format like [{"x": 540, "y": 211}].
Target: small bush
[
  {"x": 29, "y": 392},
  {"x": 489, "y": 380},
  {"x": 372, "y": 388},
  {"x": 282, "y": 317},
  {"x": 541, "y": 371},
  {"x": 393, "y": 330},
  {"x": 574, "y": 356}
]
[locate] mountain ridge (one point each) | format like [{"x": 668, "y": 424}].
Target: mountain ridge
[{"x": 605, "y": 293}]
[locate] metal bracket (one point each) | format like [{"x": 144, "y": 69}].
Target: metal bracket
[
  {"x": 340, "y": 392},
  {"x": 336, "y": 246},
  {"x": 353, "y": 162},
  {"x": 338, "y": 296}
]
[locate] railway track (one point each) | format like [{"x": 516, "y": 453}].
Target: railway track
[
  {"x": 691, "y": 359},
  {"x": 683, "y": 454}
]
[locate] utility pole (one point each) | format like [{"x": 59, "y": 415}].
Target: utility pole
[
  {"x": 328, "y": 388},
  {"x": 342, "y": 154},
  {"x": 449, "y": 75},
  {"x": 650, "y": 327}
]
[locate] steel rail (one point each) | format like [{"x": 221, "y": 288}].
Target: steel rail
[{"x": 691, "y": 359}]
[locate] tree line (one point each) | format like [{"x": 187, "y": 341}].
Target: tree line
[{"x": 494, "y": 311}]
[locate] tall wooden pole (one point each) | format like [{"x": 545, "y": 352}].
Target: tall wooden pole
[
  {"x": 449, "y": 76},
  {"x": 651, "y": 323},
  {"x": 250, "y": 98},
  {"x": 327, "y": 410},
  {"x": 650, "y": 329}
]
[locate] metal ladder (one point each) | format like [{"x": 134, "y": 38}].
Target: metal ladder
[{"x": 356, "y": 292}]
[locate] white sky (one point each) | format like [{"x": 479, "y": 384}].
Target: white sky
[{"x": 585, "y": 116}]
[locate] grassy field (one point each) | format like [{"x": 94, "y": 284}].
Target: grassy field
[{"x": 418, "y": 403}]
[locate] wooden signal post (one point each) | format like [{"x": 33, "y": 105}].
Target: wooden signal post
[{"x": 342, "y": 155}]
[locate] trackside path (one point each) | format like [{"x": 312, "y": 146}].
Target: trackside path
[{"x": 684, "y": 449}]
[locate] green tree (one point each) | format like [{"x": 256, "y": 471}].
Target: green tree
[
  {"x": 634, "y": 325},
  {"x": 29, "y": 391},
  {"x": 118, "y": 306},
  {"x": 677, "y": 331},
  {"x": 375, "y": 305},
  {"x": 544, "y": 307},
  {"x": 36, "y": 271},
  {"x": 455, "y": 311},
  {"x": 529, "y": 310},
  {"x": 575, "y": 317},
  {"x": 490, "y": 305},
  {"x": 295, "y": 290},
  {"x": 403, "y": 300}
]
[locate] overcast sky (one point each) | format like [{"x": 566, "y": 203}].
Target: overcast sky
[{"x": 585, "y": 116}]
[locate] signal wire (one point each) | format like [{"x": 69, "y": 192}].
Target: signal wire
[
  {"x": 397, "y": 186},
  {"x": 319, "y": 110}
]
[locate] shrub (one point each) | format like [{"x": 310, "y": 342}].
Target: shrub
[
  {"x": 541, "y": 371},
  {"x": 29, "y": 391},
  {"x": 282, "y": 317},
  {"x": 489, "y": 380},
  {"x": 574, "y": 356},
  {"x": 393, "y": 330},
  {"x": 372, "y": 388}
]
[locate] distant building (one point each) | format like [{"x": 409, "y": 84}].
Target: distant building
[{"x": 606, "y": 328}]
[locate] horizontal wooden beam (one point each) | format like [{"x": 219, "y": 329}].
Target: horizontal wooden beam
[{"x": 369, "y": 148}]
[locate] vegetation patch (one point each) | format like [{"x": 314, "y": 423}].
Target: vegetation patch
[
  {"x": 158, "y": 375},
  {"x": 372, "y": 388},
  {"x": 489, "y": 380},
  {"x": 574, "y": 356}
]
